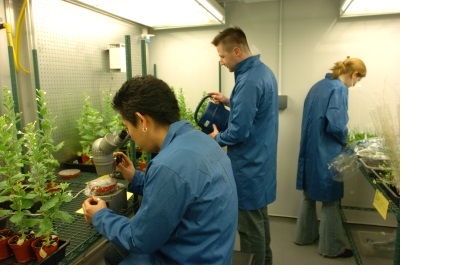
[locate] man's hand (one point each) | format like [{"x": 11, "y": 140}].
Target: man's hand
[
  {"x": 214, "y": 133},
  {"x": 217, "y": 97}
]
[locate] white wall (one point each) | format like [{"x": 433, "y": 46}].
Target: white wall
[{"x": 312, "y": 39}]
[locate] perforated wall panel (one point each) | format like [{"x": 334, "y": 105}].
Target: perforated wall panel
[{"x": 72, "y": 46}]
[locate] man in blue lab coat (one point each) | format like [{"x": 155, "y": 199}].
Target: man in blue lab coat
[{"x": 251, "y": 138}]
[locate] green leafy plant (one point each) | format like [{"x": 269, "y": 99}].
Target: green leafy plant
[
  {"x": 13, "y": 188},
  {"x": 355, "y": 135},
  {"x": 42, "y": 172},
  {"x": 47, "y": 144},
  {"x": 112, "y": 122},
  {"x": 11, "y": 160},
  {"x": 50, "y": 211},
  {"x": 143, "y": 157},
  {"x": 90, "y": 127},
  {"x": 387, "y": 125},
  {"x": 185, "y": 112}
]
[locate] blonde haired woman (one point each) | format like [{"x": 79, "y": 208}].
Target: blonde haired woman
[{"x": 324, "y": 133}]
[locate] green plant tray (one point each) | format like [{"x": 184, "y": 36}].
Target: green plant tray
[
  {"x": 53, "y": 259},
  {"x": 388, "y": 189}
]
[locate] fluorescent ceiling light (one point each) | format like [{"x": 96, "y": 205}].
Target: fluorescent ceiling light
[
  {"x": 161, "y": 14},
  {"x": 351, "y": 8}
]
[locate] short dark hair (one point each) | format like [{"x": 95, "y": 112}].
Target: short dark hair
[
  {"x": 231, "y": 37},
  {"x": 147, "y": 95}
]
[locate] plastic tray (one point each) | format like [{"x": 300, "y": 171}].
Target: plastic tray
[
  {"x": 53, "y": 259},
  {"x": 57, "y": 256}
]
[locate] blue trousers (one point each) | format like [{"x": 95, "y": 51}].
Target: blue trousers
[
  {"x": 329, "y": 231},
  {"x": 254, "y": 234}
]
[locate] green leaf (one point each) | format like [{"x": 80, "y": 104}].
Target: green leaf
[
  {"x": 5, "y": 212},
  {"x": 4, "y": 198},
  {"x": 50, "y": 203},
  {"x": 30, "y": 223},
  {"x": 66, "y": 217},
  {"x": 16, "y": 218},
  {"x": 27, "y": 203}
]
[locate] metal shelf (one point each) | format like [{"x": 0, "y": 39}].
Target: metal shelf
[{"x": 394, "y": 208}]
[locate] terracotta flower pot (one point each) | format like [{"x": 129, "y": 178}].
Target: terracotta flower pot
[
  {"x": 142, "y": 166},
  {"x": 5, "y": 250},
  {"x": 42, "y": 252},
  {"x": 23, "y": 253},
  {"x": 85, "y": 159}
]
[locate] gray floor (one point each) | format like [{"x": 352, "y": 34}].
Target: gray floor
[{"x": 288, "y": 253}]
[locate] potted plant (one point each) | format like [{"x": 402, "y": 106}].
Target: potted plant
[
  {"x": 15, "y": 201},
  {"x": 142, "y": 161},
  {"x": 22, "y": 198},
  {"x": 42, "y": 177},
  {"x": 47, "y": 240},
  {"x": 5, "y": 250},
  {"x": 90, "y": 128}
]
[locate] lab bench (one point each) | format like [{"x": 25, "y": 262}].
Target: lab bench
[
  {"x": 81, "y": 236},
  {"x": 393, "y": 208}
]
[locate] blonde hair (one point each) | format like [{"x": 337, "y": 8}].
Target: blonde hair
[{"x": 349, "y": 65}]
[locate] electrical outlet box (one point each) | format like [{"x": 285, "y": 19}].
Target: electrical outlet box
[
  {"x": 282, "y": 102},
  {"x": 117, "y": 57}
]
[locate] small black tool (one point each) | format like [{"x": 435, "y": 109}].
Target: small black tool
[{"x": 118, "y": 159}]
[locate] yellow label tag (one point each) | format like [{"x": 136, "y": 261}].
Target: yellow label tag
[{"x": 381, "y": 204}]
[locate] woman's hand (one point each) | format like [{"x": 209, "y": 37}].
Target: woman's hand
[
  {"x": 126, "y": 167},
  {"x": 91, "y": 206}
]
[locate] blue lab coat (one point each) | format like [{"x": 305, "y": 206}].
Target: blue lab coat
[
  {"x": 188, "y": 213},
  {"x": 252, "y": 134},
  {"x": 324, "y": 133}
]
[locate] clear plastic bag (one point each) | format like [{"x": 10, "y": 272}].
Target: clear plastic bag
[
  {"x": 371, "y": 151},
  {"x": 346, "y": 161},
  {"x": 101, "y": 186}
]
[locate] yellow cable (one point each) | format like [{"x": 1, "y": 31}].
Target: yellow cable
[{"x": 18, "y": 31}]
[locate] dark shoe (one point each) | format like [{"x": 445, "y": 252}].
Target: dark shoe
[{"x": 346, "y": 254}]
